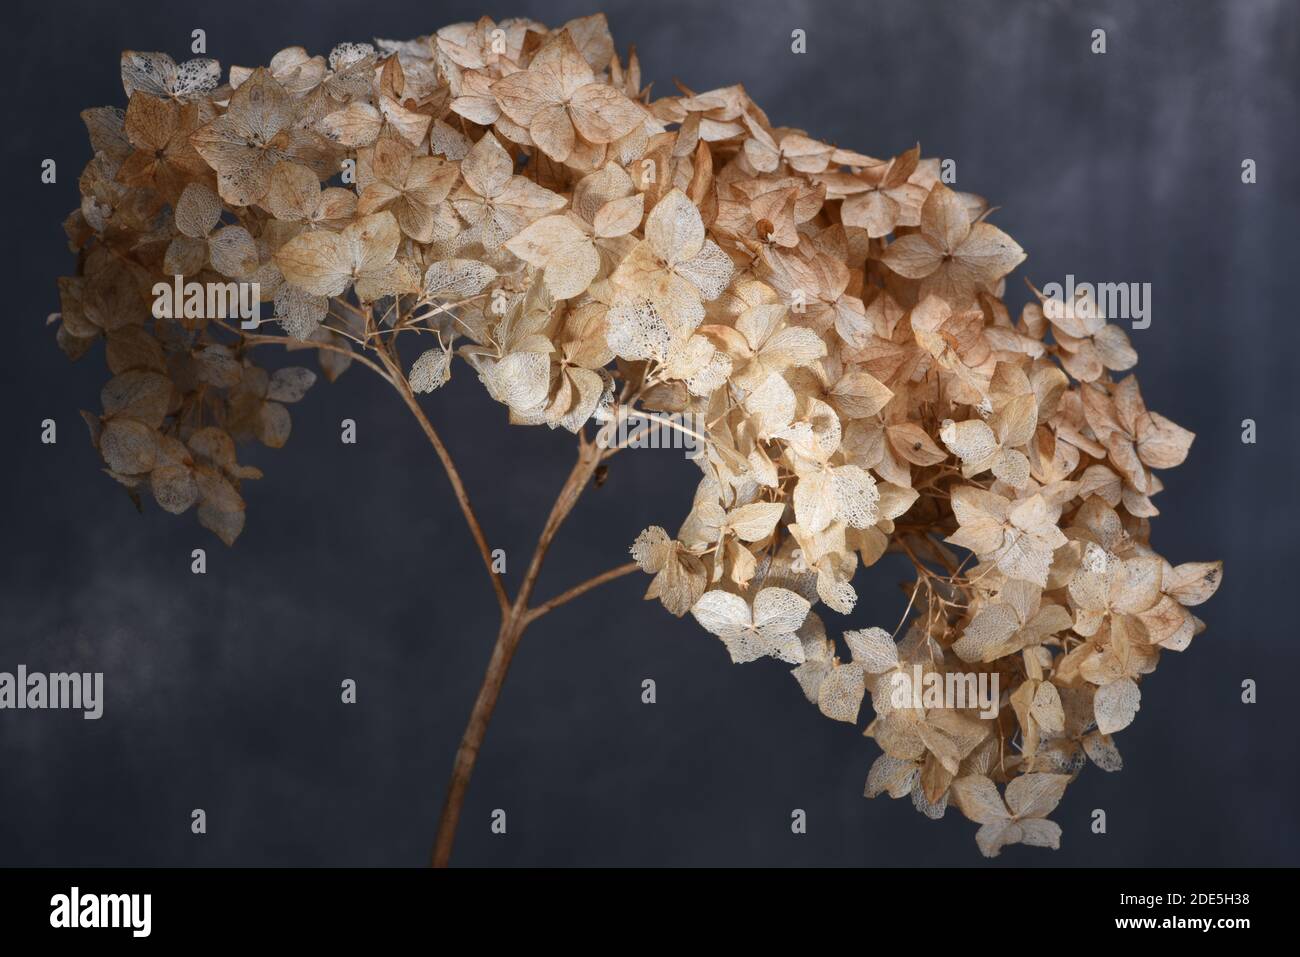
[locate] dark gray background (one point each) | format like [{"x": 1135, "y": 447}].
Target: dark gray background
[{"x": 223, "y": 691}]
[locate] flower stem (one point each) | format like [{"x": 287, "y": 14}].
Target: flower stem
[
  {"x": 516, "y": 615},
  {"x": 515, "y": 619},
  {"x": 472, "y": 740}
]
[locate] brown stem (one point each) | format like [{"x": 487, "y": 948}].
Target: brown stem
[
  {"x": 567, "y": 596},
  {"x": 514, "y": 621},
  {"x": 457, "y": 486},
  {"x": 516, "y": 616},
  {"x": 260, "y": 339},
  {"x": 589, "y": 459},
  {"x": 467, "y": 754}
]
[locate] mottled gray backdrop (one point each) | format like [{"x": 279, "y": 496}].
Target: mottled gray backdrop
[{"x": 223, "y": 690}]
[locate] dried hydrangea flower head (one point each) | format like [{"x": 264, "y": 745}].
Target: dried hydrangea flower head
[{"x": 512, "y": 196}]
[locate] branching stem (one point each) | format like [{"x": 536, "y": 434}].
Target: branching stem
[
  {"x": 593, "y": 582},
  {"x": 453, "y": 475},
  {"x": 514, "y": 621},
  {"x": 516, "y": 615}
]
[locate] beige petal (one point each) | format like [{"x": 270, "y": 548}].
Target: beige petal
[
  {"x": 989, "y": 252},
  {"x": 873, "y": 648},
  {"x": 487, "y": 168},
  {"x": 674, "y": 228},
  {"x": 945, "y": 221},
  {"x": 977, "y": 797},
  {"x": 1036, "y": 795},
  {"x": 619, "y": 217},
  {"x": 912, "y": 256},
  {"x": 755, "y": 521},
  {"x": 1116, "y": 704},
  {"x": 544, "y": 238},
  {"x": 1160, "y": 443},
  {"x": 722, "y": 614},
  {"x": 317, "y": 263},
  {"x": 552, "y": 131},
  {"x": 841, "y": 692},
  {"x": 524, "y": 94},
  {"x": 601, "y": 114}
]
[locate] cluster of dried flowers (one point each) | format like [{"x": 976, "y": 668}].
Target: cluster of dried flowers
[{"x": 518, "y": 199}]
